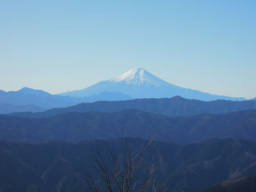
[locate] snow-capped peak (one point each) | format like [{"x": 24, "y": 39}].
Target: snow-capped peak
[
  {"x": 139, "y": 76},
  {"x": 137, "y": 73}
]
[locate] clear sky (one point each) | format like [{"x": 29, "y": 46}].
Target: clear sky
[{"x": 62, "y": 45}]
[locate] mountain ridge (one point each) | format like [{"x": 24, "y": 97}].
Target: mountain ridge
[
  {"x": 40, "y": 98},
  {"x": 75, "y": 126}
]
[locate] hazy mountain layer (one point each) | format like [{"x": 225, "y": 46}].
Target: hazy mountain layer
[
  {"x": 173, "y": 107},
  {"x": 32, "y": 100},
  {"x": 27, "y": 96},
  {"x": 7, "y": 108}
]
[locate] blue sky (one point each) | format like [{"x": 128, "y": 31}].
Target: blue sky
[{"x": 57, "y": 46}]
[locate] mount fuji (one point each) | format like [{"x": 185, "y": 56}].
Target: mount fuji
[{"x": 139, "y": 83}]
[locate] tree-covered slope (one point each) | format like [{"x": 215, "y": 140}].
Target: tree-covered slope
[
  {"x": 63, "y": 167},
  {"x": 74, "y": 127}
]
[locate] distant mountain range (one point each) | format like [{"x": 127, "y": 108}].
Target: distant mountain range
[
  {"x": 42, "y": 99},
  {"x": 173, "y": 107},
  {"x": 134, "y": 84},
  {"x": 75, "y": 127},
  {"x": 49, "y": 142},
  {"x": 65, "y": 167},
  {"x": 31, "y": 100},
  {"x": 139, "y": 83}
]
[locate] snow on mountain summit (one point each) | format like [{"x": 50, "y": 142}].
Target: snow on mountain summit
[
  {"x": 138, "y": 76},
  {"x": 132, "y": 74}
]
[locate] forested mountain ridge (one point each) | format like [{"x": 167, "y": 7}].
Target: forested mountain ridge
[{"x": 74, "y": 127}]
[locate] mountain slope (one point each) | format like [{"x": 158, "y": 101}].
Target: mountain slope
[
  {"x": 27, "y": 96},
  {"x": 240, "y": 185},
  {"x": 74, "y": 127},
  {"x": 173, "y": 107},
  {"x": 63, "y": 167},
  {"x": 138, "y": 83}
]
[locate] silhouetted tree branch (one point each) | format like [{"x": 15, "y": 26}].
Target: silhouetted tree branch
[{"x": 127, "y": 175}]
